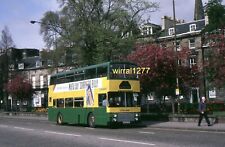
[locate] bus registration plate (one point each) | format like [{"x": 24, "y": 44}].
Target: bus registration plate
[{"x": 126, "y": 122}]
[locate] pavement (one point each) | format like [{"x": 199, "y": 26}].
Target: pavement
[{"x": 217, "y": 127}]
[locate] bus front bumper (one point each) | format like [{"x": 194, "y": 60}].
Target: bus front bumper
[{"x": 125, "y": 118}]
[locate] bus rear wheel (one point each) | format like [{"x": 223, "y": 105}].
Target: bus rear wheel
[
  {"x": 91, "y": 120},
  {"x": 59, "y": 119}
]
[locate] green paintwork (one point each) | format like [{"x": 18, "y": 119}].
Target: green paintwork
[{"x": 80, "y": 115}]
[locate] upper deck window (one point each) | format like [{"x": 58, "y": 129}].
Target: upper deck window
[{"x": 102, "y": 71}]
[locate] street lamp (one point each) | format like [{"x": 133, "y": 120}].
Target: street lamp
[
  {"x": 177, "y": 91},
  {"x": 54, "y": 26},
  {"x": 33, "y": 21},
  {"x": 55, "y": 31}
]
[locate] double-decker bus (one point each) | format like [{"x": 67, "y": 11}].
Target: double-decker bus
[{"x": 101, "y": 94}]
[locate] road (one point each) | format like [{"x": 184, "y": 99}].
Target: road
[{"x": 41, "y": 133}]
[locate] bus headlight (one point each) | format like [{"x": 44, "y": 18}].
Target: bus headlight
[
  {"x": 114, "y": 119},
  {"x": 136, "y": 118}
]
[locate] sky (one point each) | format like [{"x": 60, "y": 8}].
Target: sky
[{"x": 17, "y": 14}]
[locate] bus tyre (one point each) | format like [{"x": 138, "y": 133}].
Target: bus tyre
[
  {"x": 91, "y": 120},
  {"x": 59, "y": 119}
]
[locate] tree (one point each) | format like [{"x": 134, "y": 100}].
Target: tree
[
  {"x": 20, "y": 89},
  {"x": 214, "y": 37},
  {"x": 216, "y": 15},
  {"x": 5, "y": 43},
  {"x": 162, "y": 76},
  {"x": 6, "y": 39},
  {"x": 215, "y": 55},
  {"x": 97, "y": 30}
]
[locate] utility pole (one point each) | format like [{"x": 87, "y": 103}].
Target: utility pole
[{"x": 177, "y": 90}]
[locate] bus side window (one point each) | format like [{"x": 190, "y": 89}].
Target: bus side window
[
  {"x": 101, "y": 72},
  {"x": 78, "y": 102},
  {"x": 90, "y": 73},
  {"x": 60, "y": 103},
  {"x": 69, "y": 102},
  {"x": 54, "y": 103},
  {"x": 102, "y": 100},
  {"x": 52, "y": 80}
]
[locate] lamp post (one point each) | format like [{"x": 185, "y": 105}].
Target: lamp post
[
  {"x": 204, "y": 93},
  {"x": 55, "y": 27},
  {"x": 177, "y": 90},
  {"x": 55, "y": 32}
]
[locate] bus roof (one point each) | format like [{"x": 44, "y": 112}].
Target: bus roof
[{"x": 72, "y": 71}]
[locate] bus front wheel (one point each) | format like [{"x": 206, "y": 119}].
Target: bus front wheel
[
  {"x": 91, "y": 120},
  {"x": 59, "y": 119}
]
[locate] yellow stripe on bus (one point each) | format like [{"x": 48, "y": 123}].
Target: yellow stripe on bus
[{"x": 123, "y": 109}]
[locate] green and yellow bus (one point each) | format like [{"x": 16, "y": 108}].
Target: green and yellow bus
[{"x": 102, "y": 94}]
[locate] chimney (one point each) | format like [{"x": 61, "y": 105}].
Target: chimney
[
  {"x": 199, "y": 10},
  {"x": 167, "y": 22}
]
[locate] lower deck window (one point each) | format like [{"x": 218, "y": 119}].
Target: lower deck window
[
  {"x": 78, "y": 102},
  {"x": 60, "y": 103},
  {"x": 69, "y": 102}
]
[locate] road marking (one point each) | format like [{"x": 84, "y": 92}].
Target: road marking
[
  {"x": 59, "y": 133},
  {"x": 28, "y": 129},
  {"x": 127, "y": 141},
  {"x": 147, "y": 132},
  {"x": 197, "y": 131}
]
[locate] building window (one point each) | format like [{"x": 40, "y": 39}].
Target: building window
[
  {"x": 49, "y": 62},
  {"x": 179, "y": 62},
  {"x": 126, "y": 35},
  {"x": 192, "y": 43},
  {"x": 11, "y": 67},
  {"x": 33, "y": 82},
  {"x": 2, "y": 51},
  {"x": 38, "y": 64},
  {"x": 171, "y": 31},
  {"x": 24, "y": 55},
  {"x": 21, "y": 66},
  {"x": 192, "y": 27},
  {"x": 178, "y": 46},
  {"x": 146, "y": 30},
  {"x": 192, "y": 61},
  {"x": 49, "y": 79},
  {"x": 41, "y": 81}
]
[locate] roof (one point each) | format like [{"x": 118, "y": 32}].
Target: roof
[
  {"x": 72, "y": 71},
  {"x": 151, "y": 24},
  {"x": 184, "y": 28}
]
